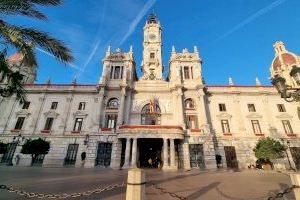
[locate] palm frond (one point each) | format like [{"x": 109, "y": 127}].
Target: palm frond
[
  {"x": 20, "y": 7},
  {"x": 46, "y": 2},
  {"x": 20, "y": 38}
]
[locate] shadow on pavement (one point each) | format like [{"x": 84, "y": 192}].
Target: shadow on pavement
[{"x": 202, "y": 191}]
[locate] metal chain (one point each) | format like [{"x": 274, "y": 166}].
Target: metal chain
[
  {"x": 172, "y": 194},
  {"x": 61, "y": 196},
  {"x": 286, "y": 191}
]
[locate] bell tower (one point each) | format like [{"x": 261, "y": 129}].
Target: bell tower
[{"x": 152, "y": 56}]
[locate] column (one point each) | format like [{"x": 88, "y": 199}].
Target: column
[
  {"x": 180, "y": 110},
  {"x": 165, "y": 153},
  {"x": 203, "y": 113},
  {"x": 121, "y": 108},
  {"x": 127, "y": 153},
  {"x": 37, "y": 113},
  {"x": 133, "y": 155},
  {"x": 172, "y": 153}
]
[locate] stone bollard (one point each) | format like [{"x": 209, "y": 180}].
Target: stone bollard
[
  {"x": 295, "y": 177},
  {"x": 136, "y": 185}
]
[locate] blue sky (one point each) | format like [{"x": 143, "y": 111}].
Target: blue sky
[{"x": 234, "y": 37}]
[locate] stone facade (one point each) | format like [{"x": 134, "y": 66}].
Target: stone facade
[{"x": 123, "y": 121}]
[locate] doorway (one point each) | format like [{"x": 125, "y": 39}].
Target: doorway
[
  {"x": 9, "y": 154},
  {"x": 70, "y": 159},
  {"x": 196, "y": 156},
  {"x": 103, "y": 154},
  {"x": 231, "y": 158},
  {"x": 150, "y": 149}
]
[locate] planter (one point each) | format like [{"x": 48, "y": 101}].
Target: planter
[{"x": 267, "y": 167}]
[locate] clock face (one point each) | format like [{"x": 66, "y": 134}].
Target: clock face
[{"x": 152, "y": 36}]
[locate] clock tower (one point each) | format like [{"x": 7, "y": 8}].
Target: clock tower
[{"x": 152, "y": 59}]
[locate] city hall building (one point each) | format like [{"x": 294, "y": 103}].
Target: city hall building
[{"x": 124, "y": 120}]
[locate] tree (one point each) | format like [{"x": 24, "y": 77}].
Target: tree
[
  {"x": 267, "y": 149},
  {"x": 24, "y": 39},
  {"x": 3, "y": 147},
  {"x": 35, "y": 147}
]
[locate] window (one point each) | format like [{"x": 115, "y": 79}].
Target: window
[
  {"x": 189, "y": 103},
  {"x": 225, "y": 126},
  {"x": 186, "y": 72},
  {"x": 222, "y": 107},
  {"x": 54, "y": 105},
  {"x": 48, "y": 124},
  {"x": 191, "y": 122},
  {"x": 111, "y": 72},
  {"x": 19, "y": 123},
  {"x": 287, "y": 127},
  {"x": 256, "y": 126},
  {"x": 81, "y": 106},
  {"x": 111, "y": 120},
  {"x": 152, "y": 55},
  {"x": 113, "y": 103},
  {"x": 26, "y": 105},
  {"x": 251, "y": 108},
  {"x": 281, "y": 108},
  {"x": 78, "y": 124},
  {"x": 117, "y": 72}
]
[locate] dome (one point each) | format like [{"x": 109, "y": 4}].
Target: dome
[
  {"x": 287, "y": 59},
  {"x": 17, "y": 57}
]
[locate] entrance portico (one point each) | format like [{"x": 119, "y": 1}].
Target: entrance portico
[{"x": 168, "y": 135}]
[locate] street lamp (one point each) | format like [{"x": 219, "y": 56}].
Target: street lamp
[
  {"x": 86, "y": 140},
  {"x": 18, "y": 138},
  {"x": 289, "y": 93}
]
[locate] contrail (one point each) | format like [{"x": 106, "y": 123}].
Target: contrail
[
  {"x": 138, "y": 18},
  {"x": 49, "y": 54},
  {"x": 251, "y": 18},
  {"x": 94, "y": 50}
]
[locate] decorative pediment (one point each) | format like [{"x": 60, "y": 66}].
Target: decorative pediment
[
  {"x": 254, "y": 115},
  {"x": 79, "y": 113},
  {"x": 284, "y": 116},
  {"x": 116, "y": 56},
  {"x": 224, "y": 115},
  {"x": 24, "y": 113},
  {"x": 51, "y": 113}
]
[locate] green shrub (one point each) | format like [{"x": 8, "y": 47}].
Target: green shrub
[
  {"x": 35, "y": 147},
  {"x": 267, "y": 149}
]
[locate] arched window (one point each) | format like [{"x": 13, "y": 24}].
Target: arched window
[
  {"x": 189, "y": 104},
  {"x": 150, "y": 118},
  {"x": 113, "y": 103}
]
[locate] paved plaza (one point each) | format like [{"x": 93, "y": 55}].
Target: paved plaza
[{"x": 194, "y": 184}]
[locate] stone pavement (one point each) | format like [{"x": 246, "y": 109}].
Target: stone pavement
[{"x": 194, "y": 184}]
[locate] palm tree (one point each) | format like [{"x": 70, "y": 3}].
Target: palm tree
[{"x": 24, "y": 39}]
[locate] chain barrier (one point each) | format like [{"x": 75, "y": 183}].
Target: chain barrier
[
  {"x": 61, "y": 196},
  {"x": 284, "y": 192},
  {"x": 172, "y": 194}
]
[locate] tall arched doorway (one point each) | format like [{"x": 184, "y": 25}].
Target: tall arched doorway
[{"x": 150, "y": 116}]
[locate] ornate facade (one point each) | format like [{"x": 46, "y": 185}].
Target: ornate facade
[{"x": 123, "y": 121}]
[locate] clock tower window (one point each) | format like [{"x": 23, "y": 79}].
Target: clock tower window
[{"x": 152, "y": 55}]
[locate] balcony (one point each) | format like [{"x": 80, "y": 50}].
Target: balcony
[{"x": 151, "y": 131}]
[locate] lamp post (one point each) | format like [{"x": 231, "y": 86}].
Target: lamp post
[
  {"x": 287, "y": 92},
  {"x": 286, "y": 153}
]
